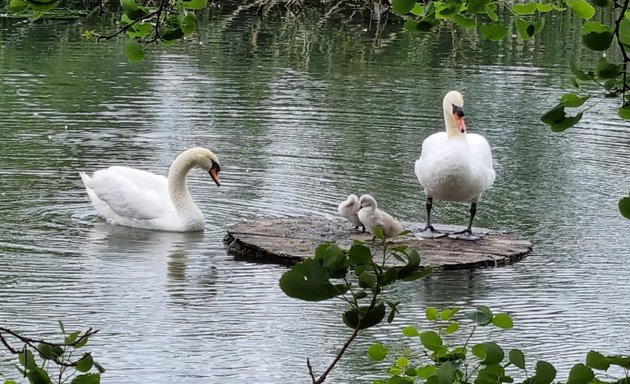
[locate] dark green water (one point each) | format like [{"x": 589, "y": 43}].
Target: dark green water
[{"x": 302, "y": 112}]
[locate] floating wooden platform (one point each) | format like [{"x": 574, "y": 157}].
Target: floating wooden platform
[{"x": 287, "y": 241}]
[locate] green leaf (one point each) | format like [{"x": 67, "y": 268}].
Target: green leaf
[
  {"x": 624, "y": 203},
  {"x": 596, "y": 360},
  {"x": 431, "y": 340},
  {"x": 403, "y": 6},
  {"x": 571, "y": 100},
  {"x": 368, "y": 280},
  {"x": 417, "y": 10},
  {"x": 333, "y": 259},
  {"x": 363, "y": 318},
  {"x": 525, "y": 29},
  {"x": 172, "y": 34},
  {"x": 17, "y": 5},
  {"x": 452, "y": 328},
  {"x": 432, "y": 313},
  {"x": 27, "y": 359},
  {"x": 410, "y": 331},
  {"x": 624, "y": 32},
  {"x": 309, "y": 281},
  {"x": 462, "y": 21},
  {"x": 89, "y": 378},
  {"x": 134, "y": 51},
  {"x": 477, "y": 6},
  {"x": 624, "y": 112},
  {"x": 426, "y": 371},
  {"x": 596, "y": 36},
  {"x": 423, "y": 272},
  {"x": 491, "y": 11},
  {"x": 517, "y": 357},
  {"x": 448, "y": 313},
  {"x": 607, "y": 70},
  {"x": 525, "y": 9},
  {"x": 49, "y": 352},
  {"x": 402, "y": 362},
  {"x": 359, "y": 254},
  {"x": 493, "y": 31},
  {"x": 581, "y": 8},
  {"x": 446, "y": 373},
  {"x": 38, "y": 376},
  {"x": 566, "y": 123},
  {"x": 195, "y": 4},
  {"x": 445, "y": 10},
  {"x": 482, "y": 315},
  {"x": 578, "y": 73},
  {"x": 622, "y": 361},
  {"x": 85, "y": 364},
  {"x": 558, "y": 120},
  {"x": 43, "y": 6},
  {"x": 377, "y": 352},
  {"x": 189, "y": 24},
  {"x": 128, "y": 5},
  {"x": 71, "y": 338},
  {"x": 99, "y": 367},
  {"x": 502, "y": 320},
  {"x": 544, "y": 7},
  {"x": 554, "y": 115},
  {"x": 545, "y": 373},
  {"x": 580, "y": 374},
  {"x": 489, "y": 353}
]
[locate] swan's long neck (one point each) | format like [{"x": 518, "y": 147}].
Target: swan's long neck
[{"x": 177, "y": 188}]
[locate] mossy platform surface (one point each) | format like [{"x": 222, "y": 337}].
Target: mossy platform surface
[{"x": 287, "y": 241}]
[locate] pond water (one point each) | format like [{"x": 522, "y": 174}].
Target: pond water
[{"x": 302, "y": 111}]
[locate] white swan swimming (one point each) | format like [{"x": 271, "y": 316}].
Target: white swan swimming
[
  {"x": 140, "y": 199},
  {"x": 372, "y": 217},
  {"x": 454, "y": 165},
  {"x": 350, "y": 209}
]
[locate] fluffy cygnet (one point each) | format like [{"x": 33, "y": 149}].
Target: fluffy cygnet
[
  {"x": 350, "y": 210},
  {"x": 372, "y": 217}
]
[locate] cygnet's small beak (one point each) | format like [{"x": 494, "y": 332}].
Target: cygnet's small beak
[{"x": 214, "y": 173}]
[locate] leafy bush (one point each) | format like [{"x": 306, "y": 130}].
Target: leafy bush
[
  {"x": 483, "y": 362},
  {"x": 357, "y": 278},
  {"x": 45, "y": 362}
]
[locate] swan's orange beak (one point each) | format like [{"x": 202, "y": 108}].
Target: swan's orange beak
[
  {"x": 459, "y": 120},
  {"x": 214, "y": 173}
]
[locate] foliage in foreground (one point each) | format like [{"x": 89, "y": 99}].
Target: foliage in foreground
[
  {"x": 45, "y": 362},
  {"x": 356, "y": 276},
  {"x": 439, "y": 362}
]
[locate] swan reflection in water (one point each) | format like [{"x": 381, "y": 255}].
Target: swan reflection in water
[{"x": 176, "y": 262}]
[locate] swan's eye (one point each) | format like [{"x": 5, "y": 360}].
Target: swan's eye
[
  {"x": 215, "y": 166},
  {"x": 459, "y": 111}
]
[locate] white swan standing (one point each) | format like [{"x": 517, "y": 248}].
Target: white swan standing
[
  {"x": 372, "y": 217},
  {"x": 454, "y": 165},
  {"x": 349, "y": 209},
  {"x": 135, "y": 198}
]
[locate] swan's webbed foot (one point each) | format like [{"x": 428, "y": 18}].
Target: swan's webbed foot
[
  {"x": 428, "y": 232},
  {"x": 466, "y": 234}
]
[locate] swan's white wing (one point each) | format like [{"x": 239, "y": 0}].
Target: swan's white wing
[
  {"x": 132, "y": 193},
  {"x": 481, "y": 155},
  {"x": 430, "y": 147},
  {"x": 480, "y": 149}
]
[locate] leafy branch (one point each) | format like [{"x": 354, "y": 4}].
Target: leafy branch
[
  {"x": 61, "y": 354},
  {"x": 484, "y": 362},
  {"x": 356, "y": 278}
]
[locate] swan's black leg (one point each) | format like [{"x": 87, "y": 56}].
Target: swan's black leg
[
  {"x": 429, "y": 205},
  {"x": 468, "y": 230}
]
